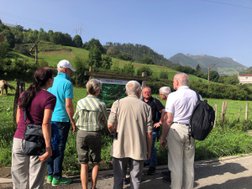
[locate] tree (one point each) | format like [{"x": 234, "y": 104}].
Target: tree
[
  {"x": 214, "y": 76},
  {"x": 4, "y": 49},
  {"x": 9, "y": 38},
  {"x": 77, "y": 41},
  {"x": 43, "y": 35},
  {"x": 128, "y": 69},
  {"x": 60, "y": 38},
  {"x": 18, "y": 33},
  {"x": 163, "y": 75},
  {"x": 95, "y": 43},
  {"x": 145, "y": 69},
  {"x": 95, "y": 57},
  {"x": 106, "y": 62},
  {"x": 147, "y": 60}
]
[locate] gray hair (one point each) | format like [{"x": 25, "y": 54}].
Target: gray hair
[
  {"x": 133, "y": 88},
  {"x": 93, "y": 85},
  {"x": 182, "y": 78},
  {"x": 165, "y": 90}
]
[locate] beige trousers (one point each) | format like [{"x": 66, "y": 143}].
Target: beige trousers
[
  {"x": 181, "y": 153},
  {"x": 27, "y": 171}
]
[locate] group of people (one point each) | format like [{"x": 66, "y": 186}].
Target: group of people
[{"x": 136, "y": 121}]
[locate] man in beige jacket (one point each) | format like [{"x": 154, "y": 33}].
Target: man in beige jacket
[{"x": 131, "y": 122}]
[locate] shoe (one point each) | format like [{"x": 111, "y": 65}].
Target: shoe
[
  {"x": 165, "y": 173},
  {"x": 61, "y": 181},
  {"x": 49, "y": 179},
  {"x": 127, "y": 180},
  {"x": 167, "y": 179},
  {"x": 151, "y": 171}
]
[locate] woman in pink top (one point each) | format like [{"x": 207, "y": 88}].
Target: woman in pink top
[{"x": 29, "y": 171}]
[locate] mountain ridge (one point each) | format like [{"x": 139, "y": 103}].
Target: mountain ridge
[{"x": 223, "y": 65}]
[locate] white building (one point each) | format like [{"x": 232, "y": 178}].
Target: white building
[{"x": 245, "y": 78}]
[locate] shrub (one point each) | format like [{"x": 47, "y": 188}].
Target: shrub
[{"x": 163, "y": 75}]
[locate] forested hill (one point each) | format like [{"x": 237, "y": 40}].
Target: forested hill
[{"x": 137, "y": 53}]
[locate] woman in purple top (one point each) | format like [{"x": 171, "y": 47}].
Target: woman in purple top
[{"x": 29, "y": 171}]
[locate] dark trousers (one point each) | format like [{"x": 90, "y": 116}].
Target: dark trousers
[{"x": 60, "y": 132}]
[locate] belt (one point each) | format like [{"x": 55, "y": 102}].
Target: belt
[{"x": 186, "y": 124}]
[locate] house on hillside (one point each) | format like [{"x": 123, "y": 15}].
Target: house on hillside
[{"x": 245, "y": 78}]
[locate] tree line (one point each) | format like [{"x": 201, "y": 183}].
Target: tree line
[{"x": 100, "y": 59}]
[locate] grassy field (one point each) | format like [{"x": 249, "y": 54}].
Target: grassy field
[{"x": 235, "y": 109}]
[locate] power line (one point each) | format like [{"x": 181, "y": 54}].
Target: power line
[{"x": 227, "y": 3}]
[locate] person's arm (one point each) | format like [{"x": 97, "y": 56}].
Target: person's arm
[
  {"x": 70, "y": 112},
  {"x": 112, "y": 119},
  {"x": 18, "y": 115},
  {"x": 111, "y": 128},
  {"x": 46, "y": 130},
  {"x": 166, "y": 123},
  {"x": 149, "y": 143},
  {"x": 161, "y": 109},
  {"x": 158, "y": 124}
]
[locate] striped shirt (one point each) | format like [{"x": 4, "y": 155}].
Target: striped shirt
[{"x": 90, "y": 114}]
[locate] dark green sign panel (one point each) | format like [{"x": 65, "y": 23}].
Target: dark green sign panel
[{"x": 112, "y": 89}]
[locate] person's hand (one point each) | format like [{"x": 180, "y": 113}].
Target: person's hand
[
  {"x": 156, "y": 125},
  {"x": 46, "y": 155},
  {"x": 73, "y": 126},
  {"x": 148, "y": 155},
  {"x": 163, "y": 142}
]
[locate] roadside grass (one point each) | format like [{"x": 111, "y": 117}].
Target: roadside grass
[
  {"x": 7, "y": 128},
  {"x": 227, "y": 139}
]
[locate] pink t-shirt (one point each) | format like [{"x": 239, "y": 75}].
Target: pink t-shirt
[{"x": 43, "y": 100}]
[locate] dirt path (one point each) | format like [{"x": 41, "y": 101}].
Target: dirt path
[{"x": 226, "y": 173}]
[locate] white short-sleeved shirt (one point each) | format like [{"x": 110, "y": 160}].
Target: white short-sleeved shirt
[{"x": 181, "y": 104}]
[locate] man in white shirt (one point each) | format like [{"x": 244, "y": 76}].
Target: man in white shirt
[{"x": 179, "y": 108}]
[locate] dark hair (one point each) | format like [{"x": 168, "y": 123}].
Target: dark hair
[{"x": 41, "y": 76}]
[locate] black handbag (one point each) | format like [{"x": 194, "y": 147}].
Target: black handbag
[{"x": 33, "y": 143}]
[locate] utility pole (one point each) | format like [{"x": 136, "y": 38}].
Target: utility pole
[
  {"x": 35, "y": 49},
  {"x": 208, "y": 71}
]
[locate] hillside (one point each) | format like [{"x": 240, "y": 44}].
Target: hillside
[
  {"x": 137, "y": 53},
  {"x": 224, "y": 66},
  {"x": 52, "y": 53}
]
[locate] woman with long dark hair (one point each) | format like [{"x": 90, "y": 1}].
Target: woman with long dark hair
[{"x": 38, "y": 103}]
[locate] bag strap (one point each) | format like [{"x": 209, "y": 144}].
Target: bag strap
[
  {"x": 27, "y": 115},
  {"x": 197, "y": 95}
]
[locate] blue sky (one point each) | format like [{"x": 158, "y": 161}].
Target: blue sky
[{"x": 221, "y": 28}]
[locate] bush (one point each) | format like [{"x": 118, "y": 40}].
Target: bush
[{"x": 163, "y": 75}]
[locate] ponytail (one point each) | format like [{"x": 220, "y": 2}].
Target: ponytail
[{"x": 41, "y": 76}]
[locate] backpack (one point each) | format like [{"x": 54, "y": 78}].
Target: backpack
[{"x": 202, "y": 119}]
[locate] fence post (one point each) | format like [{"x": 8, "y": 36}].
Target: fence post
[
  {"x": 246, "y": 111},
  {"x": 223, "y": 111},
  {"x": 19, "y": 89},
  {"x": 216, "y": 113}
]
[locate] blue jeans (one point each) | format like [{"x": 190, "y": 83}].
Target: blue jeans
[
  {"x": 153, "y": 158},
  {"x": 60, "y": 132}
]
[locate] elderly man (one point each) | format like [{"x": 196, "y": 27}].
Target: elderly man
[
  {"x": 157, "y": 109},
  {"x": 164, "y": 92},
  {"x": 179, "y": 108},
  {"x": 131, "y": 122},
  {"x": 62, "y": 120}
]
